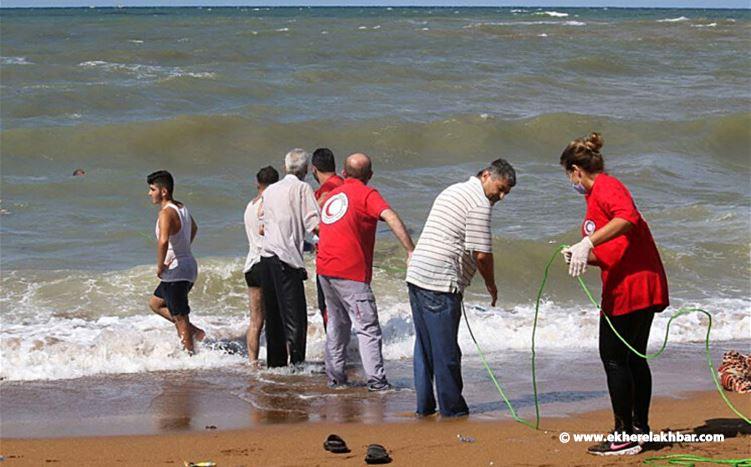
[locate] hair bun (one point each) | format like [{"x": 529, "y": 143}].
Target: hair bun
[{"x": 594, "y": 142}]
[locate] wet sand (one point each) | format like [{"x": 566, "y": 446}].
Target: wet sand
[
  {"x": 413, "y": 442},
  {"x": 174, "y": 402},
  {"x": 240, "y": 416}
]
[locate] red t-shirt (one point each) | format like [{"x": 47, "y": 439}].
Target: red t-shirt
[
  {"x": 333, "y": 182},
  {"x": 633, "y": 277},
  {"x": 347, "y": 231}
]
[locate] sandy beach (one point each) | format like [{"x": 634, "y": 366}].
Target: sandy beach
[
  {"x": 414, "y": 442},
  {"x": 89, "y": 375}
]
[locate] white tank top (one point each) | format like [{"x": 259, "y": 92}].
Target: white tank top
[
  {"x": 181, "y": 265},
  {"x": 254, "y": 238}
]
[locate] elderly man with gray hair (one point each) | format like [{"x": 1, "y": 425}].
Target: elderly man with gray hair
[
  {"x": 455, "y": 242},
  {"x": 289, "y": 210}
]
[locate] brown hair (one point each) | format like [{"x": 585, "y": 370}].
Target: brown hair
[{"x": 584, "y": 153}]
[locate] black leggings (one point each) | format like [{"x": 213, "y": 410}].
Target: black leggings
[{"x": 629, "y": 378}]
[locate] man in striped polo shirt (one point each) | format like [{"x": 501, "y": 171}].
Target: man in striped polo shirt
[{"x": 455, "y": 242}]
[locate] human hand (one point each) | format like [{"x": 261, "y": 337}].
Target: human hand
[
  {"x": 566, "y": 252},
  {"x": 579, "y": 257}
]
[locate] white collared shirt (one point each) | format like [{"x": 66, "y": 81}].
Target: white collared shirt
[{"x": 289, "y": 210}]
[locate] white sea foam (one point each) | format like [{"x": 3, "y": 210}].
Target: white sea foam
[
  {"x": 61, "y": 348},
  {"x": 14, "y": 61},
  {"x": 146, "y": 72},
  {"x": 53, "y": 324},
  {"x": 554, "y": 14},
  {"x": 673, "y": 20},
  {"x": 282, "y": 30},
  {"x": 524, "y": 23},
  {"x": 710, "y": 25},
  {"x": 135, "y": 41}
]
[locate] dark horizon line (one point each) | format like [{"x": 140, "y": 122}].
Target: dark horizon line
[{"x": 360, "y": 6}]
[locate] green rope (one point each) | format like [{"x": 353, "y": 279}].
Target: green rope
[
  {"x": 677, "y": 459},
  {"x": 495, "y": 381},
  {"x": 689, "y": 460}
]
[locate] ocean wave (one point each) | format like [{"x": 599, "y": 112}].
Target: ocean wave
[
  {"x": 673, "y": 20},
  {"x": 142, "y": 71},
  {"x": 187, "y": 140},
  {"x": 554, "y": 14},
  {"x": 491, "y": 24},
  {"x": 64, "y": 348},
  {"x": 709, "y": 25},
  {"x": 14, "y": 61}
]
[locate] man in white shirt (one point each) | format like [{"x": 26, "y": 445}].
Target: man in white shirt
[
  {"x": 455, "y": 242},
  {"x": 289, "y": 211},
  {"x": 253, "y": 269}
]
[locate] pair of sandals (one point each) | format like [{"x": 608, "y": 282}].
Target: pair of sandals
[{"x": 376, "y": 453}]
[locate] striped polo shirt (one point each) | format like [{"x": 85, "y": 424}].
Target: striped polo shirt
[{"x": 458, "y": 224}]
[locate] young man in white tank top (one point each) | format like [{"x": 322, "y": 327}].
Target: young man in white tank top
[
  {"x": 253, "y": 269},
  {"x": 175, "y": 264}
]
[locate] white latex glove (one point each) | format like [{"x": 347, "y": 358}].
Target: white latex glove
[
  {"x": 579, "y": 255},
  {"x": 566, "y": 255}
]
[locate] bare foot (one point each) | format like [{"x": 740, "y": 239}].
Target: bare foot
[{"x": 198, "y": 333}]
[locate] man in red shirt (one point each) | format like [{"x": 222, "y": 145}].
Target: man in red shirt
[
  {"x": 345, "y": 268},
  {"x": 324, "y": 171}
]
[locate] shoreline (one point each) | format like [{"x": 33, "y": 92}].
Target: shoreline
[
  {"x": 173, "y": 402},
  {"x": 430, "y": 441}
]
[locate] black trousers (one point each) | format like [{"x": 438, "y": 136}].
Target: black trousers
[
  {"x": 286, "y": 312},
  {"x": 629, "y": 377}
]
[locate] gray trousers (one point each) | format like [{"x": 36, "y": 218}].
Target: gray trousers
[{"x": 351, "y": 304}]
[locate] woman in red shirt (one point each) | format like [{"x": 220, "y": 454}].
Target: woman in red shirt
[{"x": 634, "y": 286}]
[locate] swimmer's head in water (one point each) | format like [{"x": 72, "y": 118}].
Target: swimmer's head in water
[
  {"x": 161, "y": 185},
  {"x": 79, "y": 173}
]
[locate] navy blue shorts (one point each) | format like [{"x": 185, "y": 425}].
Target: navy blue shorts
[{"x": 175, "y": 295}]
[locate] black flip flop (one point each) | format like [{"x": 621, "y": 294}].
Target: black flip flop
[
  {"x": 377, "y": 455},
  {"x": 335, "y": 444}
]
